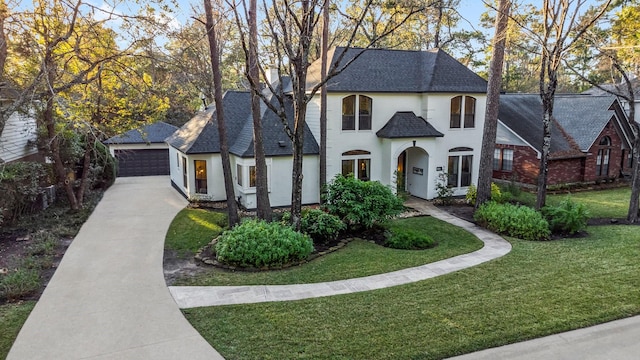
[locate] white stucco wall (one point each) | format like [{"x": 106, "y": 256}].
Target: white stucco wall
[
  {"x": 215, "y": 178},
  {"x": 18, "y": 137},
  {"x": 384, "y": 152},
  {"x": 279, "y": 179}
]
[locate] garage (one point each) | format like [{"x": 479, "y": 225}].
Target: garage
[
  {"x": 142, "y": 151},
  {"x": 142, "y": 162}
]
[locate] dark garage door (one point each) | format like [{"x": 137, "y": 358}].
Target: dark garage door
[{"x": 143, "y": 162}]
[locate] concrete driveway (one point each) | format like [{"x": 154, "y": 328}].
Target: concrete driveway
[{"x": 108, "y": 298}]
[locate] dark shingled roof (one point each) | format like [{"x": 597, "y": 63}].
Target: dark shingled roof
[
  {"x": 200, "y": 134},
  {"x": 522, "y": 113},
  {"x": 149, "y": 134},
  {"x": 404, "y": 124},
  {"x": 382, "y": 70},
  {"x": 583, "y": 117}
]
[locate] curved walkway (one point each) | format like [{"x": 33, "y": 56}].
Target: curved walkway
[
  {"x": 108, "y": 298},
  {"x": 494, "y": 247}
]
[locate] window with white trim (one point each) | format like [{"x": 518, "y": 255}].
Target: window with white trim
[
  {"x": 357, "y": 163},
  {"x": 602, "y": 159},
  {"x": 459, "y": 167},
  {"x": 458, "y": 118},
  {"x": 503, "y": 159},
  {"x": 362, "y": 107}
]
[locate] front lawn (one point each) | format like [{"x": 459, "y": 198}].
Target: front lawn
[
  {"x": 540, "y": 288},
  {"x": 12, "y": 316},
  {"x": 358, "y": 258},
  {"x": 192, "y": 229}
]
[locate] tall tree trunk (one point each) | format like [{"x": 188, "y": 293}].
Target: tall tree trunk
[
  {"x": 84, "y": 180},
  {"x": 232, "y": 206},
  {"x": 493, "y": 102},
  {"x": 4, "y": 12},
  {"x": 633, "y": 212},
  {"x": 298, "y": 153},
  {"x": 547, "y": 118},
  {"x": 323, "y": 98},
  {"x": 262, "y": 187}
]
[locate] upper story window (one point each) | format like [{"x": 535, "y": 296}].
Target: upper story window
[
  {"x": 362, "y": 107},
  {"x": 458, "y": 103}
]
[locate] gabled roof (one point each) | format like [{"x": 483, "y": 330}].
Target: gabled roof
[
  {"x": 404, "y": 124},
  {"x": 148, "y": 134},
  {"x": 382, "y": 70},
  {"x": 200, "y": 134},
  {"x": 522, "y": 113},
  {"x": 583, "y": 116}
]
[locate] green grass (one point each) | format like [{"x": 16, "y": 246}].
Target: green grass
[
  {"x": 538, "y": 289},
  {"x": 358, "y": 258},
  {"x": 610, "y": 203},
  {"x": 192, "y": 229},
  {"x": 12, "y": 316}
]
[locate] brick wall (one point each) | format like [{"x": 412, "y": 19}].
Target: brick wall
[
  {"x": 615, "y": 158},
  {"x": 525, "y": 165}
]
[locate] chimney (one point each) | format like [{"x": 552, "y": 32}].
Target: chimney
[{"x": 272, "y": 75}]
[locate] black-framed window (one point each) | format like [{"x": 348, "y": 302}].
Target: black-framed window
[
  {"x": 357, "y": 163},
  {"x": 363, "y": 107},
  {"x": 458, "y": 103},
  {"x": 603, "y": 157},
  {"x": 459, "y": 167},
  {"x": 185, "y": 178}
]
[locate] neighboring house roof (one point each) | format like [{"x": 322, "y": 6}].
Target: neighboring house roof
[
  {"x": 619, "y": 88},
  {"x": 522, "y": 113},
  {"x": 579, "y": 120},
  {"x": 148, "y": 134},
  {"x": 584, "y": 117},
  {"x": 405, "y": 124},
  {"x": 383, "y": 70},
  {"x": 200, "y": 134}
]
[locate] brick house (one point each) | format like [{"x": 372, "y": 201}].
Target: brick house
[{"x": 590, "y": 139}]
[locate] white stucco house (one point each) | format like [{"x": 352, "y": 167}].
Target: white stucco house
[{"x": 415, "y": 113}]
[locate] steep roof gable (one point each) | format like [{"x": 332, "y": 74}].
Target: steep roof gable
[
  {"x": 383, "y": 70},
  {"x": 522, "y": 113}
]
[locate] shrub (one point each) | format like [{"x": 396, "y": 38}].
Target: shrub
[
  {"x": 361, "y": 203},
  {"x": 496, "y": 194},
  {"x": 19, "y": 283},
  {"x": 408, "y": 240},
  {"x": 443, "y": 191},
  {"x": 568, "y": 217},
  {"x": 514, "y": 220},
  {"x": 256, "y": 243},
  {"x": 20, "y": 187},
  {"x": 321, "y": 226}
]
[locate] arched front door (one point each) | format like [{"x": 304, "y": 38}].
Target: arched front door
[{"x": 413, "y": 163}]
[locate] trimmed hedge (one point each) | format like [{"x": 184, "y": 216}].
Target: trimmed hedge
[
  {"x": 513, "y": 220},
  {"x": 256, "y": 243},
  {"x": 321, "y": 226}
]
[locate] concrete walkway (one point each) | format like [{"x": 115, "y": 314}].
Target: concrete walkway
[
  {"x": 494, "y": 247},
  {"x": 108, "y": 298}
]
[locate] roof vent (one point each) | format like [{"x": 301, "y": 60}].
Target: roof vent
[{"x": 281, "y": 143}]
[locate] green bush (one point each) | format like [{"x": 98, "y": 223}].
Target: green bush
[
  {"x": 361, "y": 203},
  {"x": 514, "y": 220},
  {"x": 568, "y": 217},
  {"x": 408, "y": 239},
  {"x": 444, "y": 193},
  {"x": 321, "y": 226},
  {"x": 256, "y": 243},
  {"x": 20, "y": 187},
  {"x": 496, "y": 194},
  {"x": 19, "y": 283}
]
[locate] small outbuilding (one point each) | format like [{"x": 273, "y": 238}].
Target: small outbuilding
[{"x": 142, "y": 151}]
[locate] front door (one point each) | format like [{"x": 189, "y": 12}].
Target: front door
[{"x": 417, "y": 161}]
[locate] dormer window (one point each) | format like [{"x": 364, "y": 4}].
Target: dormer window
[
  {"x": 458, "y": 103},
  {"x": 362, "y": 107}
]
